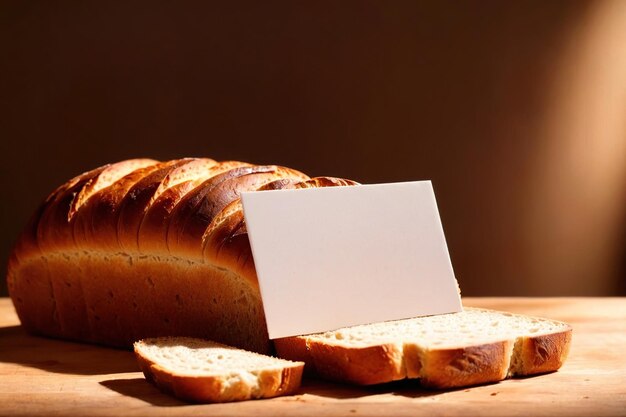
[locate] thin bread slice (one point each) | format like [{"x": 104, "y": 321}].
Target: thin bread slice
[
  {"x": 199, "y": 370},
  {"x": 472, "y": 347}
]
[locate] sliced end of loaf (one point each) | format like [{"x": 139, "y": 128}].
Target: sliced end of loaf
[{"x": 199, "y": 370}]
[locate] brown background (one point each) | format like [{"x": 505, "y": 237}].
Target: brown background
[{"x": 515, "y": 110}]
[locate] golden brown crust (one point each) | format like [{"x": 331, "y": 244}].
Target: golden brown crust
[
  {"x": 364, "y": 366},
  {"x": 48, "y": 229},
  {"x": 296, "y": 349},
  {"x": 52, "y": 226},
  {"x": 105, "y": 178},
  {"x": 100, "y": 299},
  {"x": 31, "y": 291},
  {"x": 225, "y": 240},
  {"x": 471, "y": 365},
  {"x": 83, "y": 266},
  {"x": 543, "y": 353},
  {"x": 134, "y": 204},
  {"x": 197, "y": 210},
  {"x": 188, "y": 205},
  {"x": 155, "y": 224},
  {"x": 196, "y": 169},
  {"x": 95, "y": 224},
  {"x": 318, "y": 182}
]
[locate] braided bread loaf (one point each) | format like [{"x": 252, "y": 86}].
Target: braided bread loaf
[{"x": 142, "y": 248}]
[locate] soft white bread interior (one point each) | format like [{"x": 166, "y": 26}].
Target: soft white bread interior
[
  {"x": 203, "y": 371},
  {"x": 143, "y": 248},
  {"x": 472, "y": 347}
]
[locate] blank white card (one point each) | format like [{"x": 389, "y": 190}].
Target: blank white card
[{"x": 340, "y": 256}]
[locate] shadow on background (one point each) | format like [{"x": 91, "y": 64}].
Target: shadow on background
[{"x": 515, "y": 110}]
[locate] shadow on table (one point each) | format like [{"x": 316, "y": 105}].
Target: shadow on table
[
  {"x": 409, "y": 388},
  {"x": 56, "y": 356},
  {"x": 141, "y": 389},
  {"x": 52, "y": 355}
]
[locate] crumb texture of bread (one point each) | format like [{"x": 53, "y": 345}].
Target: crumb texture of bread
[
  {"x": 142, "y": 248},
  {"x": 202, "y": 371},
  {"x": 475, "y": 346}
]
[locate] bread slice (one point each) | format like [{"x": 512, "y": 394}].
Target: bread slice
[
  {"x": 199, "y": 370},
  {"x": 472, "y": 347}
]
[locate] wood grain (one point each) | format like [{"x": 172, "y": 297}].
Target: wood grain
[{"x": 40, "y": 376}]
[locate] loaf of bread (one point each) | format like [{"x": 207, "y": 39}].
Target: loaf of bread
[
  {"x": 142, "y": 248},
  {"x": 199, "y": 370},
  {"x": 471, "y": 347}
]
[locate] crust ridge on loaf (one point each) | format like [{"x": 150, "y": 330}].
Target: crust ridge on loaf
[
  {"x": 472, "y": 347},
  {"x": 144, "y": 248}
]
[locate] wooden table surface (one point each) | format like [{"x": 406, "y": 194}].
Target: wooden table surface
[{"x": 40, "y": 376}]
